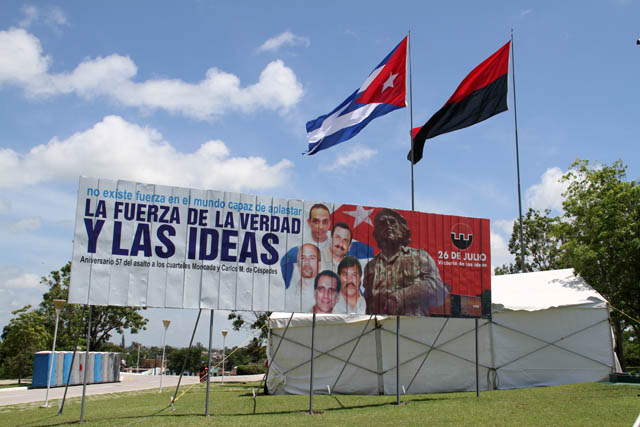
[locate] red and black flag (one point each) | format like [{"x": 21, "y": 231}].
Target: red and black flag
[{"x": 482, "y": 94}]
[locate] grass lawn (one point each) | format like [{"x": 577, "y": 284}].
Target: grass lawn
[{"x": 595, "y": 404}]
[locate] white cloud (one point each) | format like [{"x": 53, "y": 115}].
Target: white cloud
[
  {"x": 21, "y": 60},
  {"x": 22, "y": 63},
  {"x": 25, "y": 281},
  {"x": 30, "y": 15},
  {"x": 53, "y": 17},
  {"x": 525, "y": 12},
  {"x": 56, "y": 18},
  {"x": 504, "y": 225},
  {"x": 353, "y": 158},
  {"x": 499, "y": 251},
  {"x": 12, "y": 277},
  {"x": 285, "y": 39},
  {"x": 27, "y": 224},
  {"x": 115, "y": 148},
  {"x": 548, "y": 193}
]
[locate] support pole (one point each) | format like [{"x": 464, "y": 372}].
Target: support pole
[
  {"x": 73, "y": 358},
  {"x": 206, "y": 406},
  {"x": 313, "y": 333},
  {"x": 165, "y": 323},
  {"x": 477, "y": 375},
  {"x": 86, "y": 366},
  {"x": 515, "y": 118},
  {"x": 58, "y": 304},
  {"x": 398, "y": 360},
  {"x": 184, "y": 364},
  {"x": 412, "y": 209}
]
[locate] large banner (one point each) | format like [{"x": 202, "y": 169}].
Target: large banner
[{"x": 158, "y": 246}]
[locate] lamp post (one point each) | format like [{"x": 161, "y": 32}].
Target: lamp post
[
  {"x": 58, "y": 304},
  {"x": 165, "y": 323},
  {"x": 138, "y": 361},
  {"x": 224, "y": 340}
]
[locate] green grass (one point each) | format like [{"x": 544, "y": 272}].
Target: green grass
[{"x": 591, "y": 404}]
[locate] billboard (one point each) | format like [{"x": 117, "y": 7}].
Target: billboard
[{"x": 160, "y": 246}]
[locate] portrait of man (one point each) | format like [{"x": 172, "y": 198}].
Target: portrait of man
[
  {"x": 351, "y": 299},
  {"x": 308, "y": 263},
  {"x": 300, "y": 294},
  {"x": 399, "y": 279},
  {"x": 341, "y": 238},
  {"x": 326, "y": 289},
  {"x": 319, "y": 223}
]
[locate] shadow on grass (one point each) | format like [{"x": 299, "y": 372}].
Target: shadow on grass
[
  {"x": 159, "y": 413},
  {"x": 41, "y": 420}
]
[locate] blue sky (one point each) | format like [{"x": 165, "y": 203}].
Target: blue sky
[{"x": 212, "y": 95}]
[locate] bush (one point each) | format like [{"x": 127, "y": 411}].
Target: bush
[{"x": 251, "y": 369}]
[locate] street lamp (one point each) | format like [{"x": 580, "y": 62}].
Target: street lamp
[
  {"x": 58, "y": 304},
  {"x": 138, "y": 361},
  {"x": 224, "y": 340},
  {"x": 165, "y": 323}
]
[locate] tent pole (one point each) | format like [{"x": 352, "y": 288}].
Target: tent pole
[
  {"x": 351, "y": 354},
  {"x": 477, "y": 379},
  {"x": 173, "y": 399},
  {"x": 313, "y": 330},
  {"x": 206, "y": 406},
  {"x": 86, "y": 366},
  {"x": 613, "y": 351},
  {"x": 494, "y": 381}
]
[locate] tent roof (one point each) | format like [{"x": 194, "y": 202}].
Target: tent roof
[
  {"x": 527, "y": 291},
  {"x": 542, "y": 290}
]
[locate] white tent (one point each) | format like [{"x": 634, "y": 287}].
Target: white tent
[{"x": 547, "y": 328}]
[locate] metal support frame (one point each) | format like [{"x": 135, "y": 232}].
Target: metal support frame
[
  {"x": 73, "y": 358},
  {"x": 439, "y": 347},
  {"x": 351, "y": 354},
  {"x": 206, "y": 406},
  {"x": 428, "y": 353},
  {"x": 379, "y": 372},
  {"x": 398, "y": 356},
  {"x": 551, "y": 344},
  {"x": 477, "y": 378},
  {"x": 266, "y": 374},
  {"x": 86, "y": 366},
  {"x": 324, "y": 353},
  {"x": 173, "y": 398},
  {"x": 313, "y": 333}
]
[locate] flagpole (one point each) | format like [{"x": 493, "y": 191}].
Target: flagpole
[
  {"x": 515, "y": 117},
  {"x": 412, "y": 209},
  {"x": 410, "y": 117}
]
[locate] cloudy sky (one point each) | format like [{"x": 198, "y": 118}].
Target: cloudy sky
[{"x": 212, "y": 95}]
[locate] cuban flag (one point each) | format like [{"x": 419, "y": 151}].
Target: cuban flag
[{"x": 382, "y": 92}]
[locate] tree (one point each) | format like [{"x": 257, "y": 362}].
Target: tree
[
  {"x": 74, "y": 319},
  {"x": 259, "y": 321},
  {"x": 542, "y": 244},
  {"x": 256, "y": 351},
  {"x": 24, "y": 335},
  {"x": 601, "y": 232},
  {"x": 193, "y": 356}
]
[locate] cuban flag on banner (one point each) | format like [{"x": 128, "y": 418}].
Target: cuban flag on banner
[{"x": 382, "y": 92}]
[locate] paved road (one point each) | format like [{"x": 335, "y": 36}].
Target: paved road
[{"x": 129, "y": 382}]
